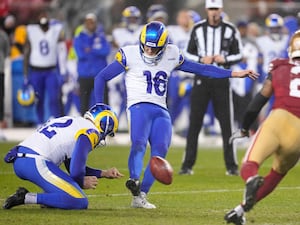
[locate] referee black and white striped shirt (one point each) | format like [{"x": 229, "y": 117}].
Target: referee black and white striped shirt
[{"x": 206, "y": 40}]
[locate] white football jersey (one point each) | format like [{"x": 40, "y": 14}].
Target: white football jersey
[
  {"x": 122, "y": 36},
  {"x": 271, "y": 49},
  {"x": 144, "y": 82},
  {"x": 56, "y": 139},
  {"x": 43, "y": 45}
]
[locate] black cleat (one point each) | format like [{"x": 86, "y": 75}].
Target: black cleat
[
  {"x": 134, "y": 186},
  {"x": 232, "y": 217},
  {"x": 252, "y": 186},
  {"x": 16, "y": 199}
]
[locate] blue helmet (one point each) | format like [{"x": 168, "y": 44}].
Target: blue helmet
[
  {"x": 275, "y": 24},
  {"x": 154, "y": 35},
  {"x": 157, "y": 12},
  {"x": 132, "y": 18},
  {"x": 104, "y": 119},
  {"x": 26, "y": 95},
  {"x": 274, "y": 20}
]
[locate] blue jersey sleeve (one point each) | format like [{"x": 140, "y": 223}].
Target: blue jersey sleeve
[
  {"x": 108, "y": 73},
  {"x": 204, "y": 69},
  {"x": 79, "y": 158}
]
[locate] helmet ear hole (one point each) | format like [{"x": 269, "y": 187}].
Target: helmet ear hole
[{"x": 103, "y": 118}]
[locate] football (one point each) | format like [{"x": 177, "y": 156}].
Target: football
[{"x": 161, "y": 169}]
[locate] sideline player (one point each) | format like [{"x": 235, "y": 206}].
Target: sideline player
[
  {"x": 66, "y": 140},
  {"x": 147, "y": 67},
  {"x": 43, "y": 51},
  {"x": 278, "y": 136}
]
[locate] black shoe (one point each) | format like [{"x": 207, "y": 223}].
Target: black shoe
[
  {"x": 186, "y": 172},
  {"x": 134, "y": 186},
  {"x": 16, "y": 199},
  {"x": 233, "y": 172},
  {"x": 252, "y": 186},
  {"x": 232, "y": 217}
]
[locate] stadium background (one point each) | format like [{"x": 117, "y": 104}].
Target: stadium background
[{"x": 72, "y": 12}]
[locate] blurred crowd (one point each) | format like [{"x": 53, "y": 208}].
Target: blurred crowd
[{"x": 91, "y": 41}]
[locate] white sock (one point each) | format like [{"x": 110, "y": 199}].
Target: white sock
[
  {"x": 30, "y": 198},
  {"x": 239, "y": 210}
]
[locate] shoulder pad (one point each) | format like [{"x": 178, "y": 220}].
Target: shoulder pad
[
  {"x": 121, "y": 58},
  {"x": 92, "y": 134},
  {"x": 276, "y": 63}
]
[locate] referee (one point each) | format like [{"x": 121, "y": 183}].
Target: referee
[{"x": 218, "y": 42}]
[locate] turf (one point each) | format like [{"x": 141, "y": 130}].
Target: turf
[{"x": 201, "y": 199}]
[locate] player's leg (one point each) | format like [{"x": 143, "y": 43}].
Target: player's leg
[
  {"x": 223, "y": 106},
  {"x": 140, "y": 126},
  {"x": 53, "y": 89},
  {"x": 287, "y": 155},
  {"x": 84, "y": 93},
  {"x": 160, "y": 139},
  {"x": 37, "y": 79},
  {"x": 199, "y": 101},
  {"x": 60, "y": 190},
  {"x": 278, "y": 135}
]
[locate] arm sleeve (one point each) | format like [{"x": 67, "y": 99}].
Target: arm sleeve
[
  {"x": 92, "y": 172},
  {"x": 79, "y": 158},
  {"x": 253, "y": 110},
  {"x": 109, "y": 72},
  {"x": 204, "y": 69}
]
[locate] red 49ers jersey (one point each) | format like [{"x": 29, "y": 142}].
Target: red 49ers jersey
[{"x": 286, "y": 85}]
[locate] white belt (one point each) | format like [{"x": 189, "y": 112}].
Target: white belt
[{"x": 28, "y": 155}]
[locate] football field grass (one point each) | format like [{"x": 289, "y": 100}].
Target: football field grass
[{"x": 201, "y": 199}]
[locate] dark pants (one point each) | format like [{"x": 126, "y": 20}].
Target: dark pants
[
  {"x": 240, "y": 104},
  {"x": 217, "y": 90},
  {"x": 87, "y": 95},
  {"x": 87, "y": 99}
]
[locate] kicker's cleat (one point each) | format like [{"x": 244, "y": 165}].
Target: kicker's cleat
[
  {"x": 232, "y": 217},
  {"x": 141, "y": 202},
  {"x": 16, "y": 199},
  {"x": 134, "y": 186},
  {"x": 252, "y": 186}
]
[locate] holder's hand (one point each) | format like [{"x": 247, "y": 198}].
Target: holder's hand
[
  {"x": 90, "y": 182},
  {"x": 111, "y": 173}
]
